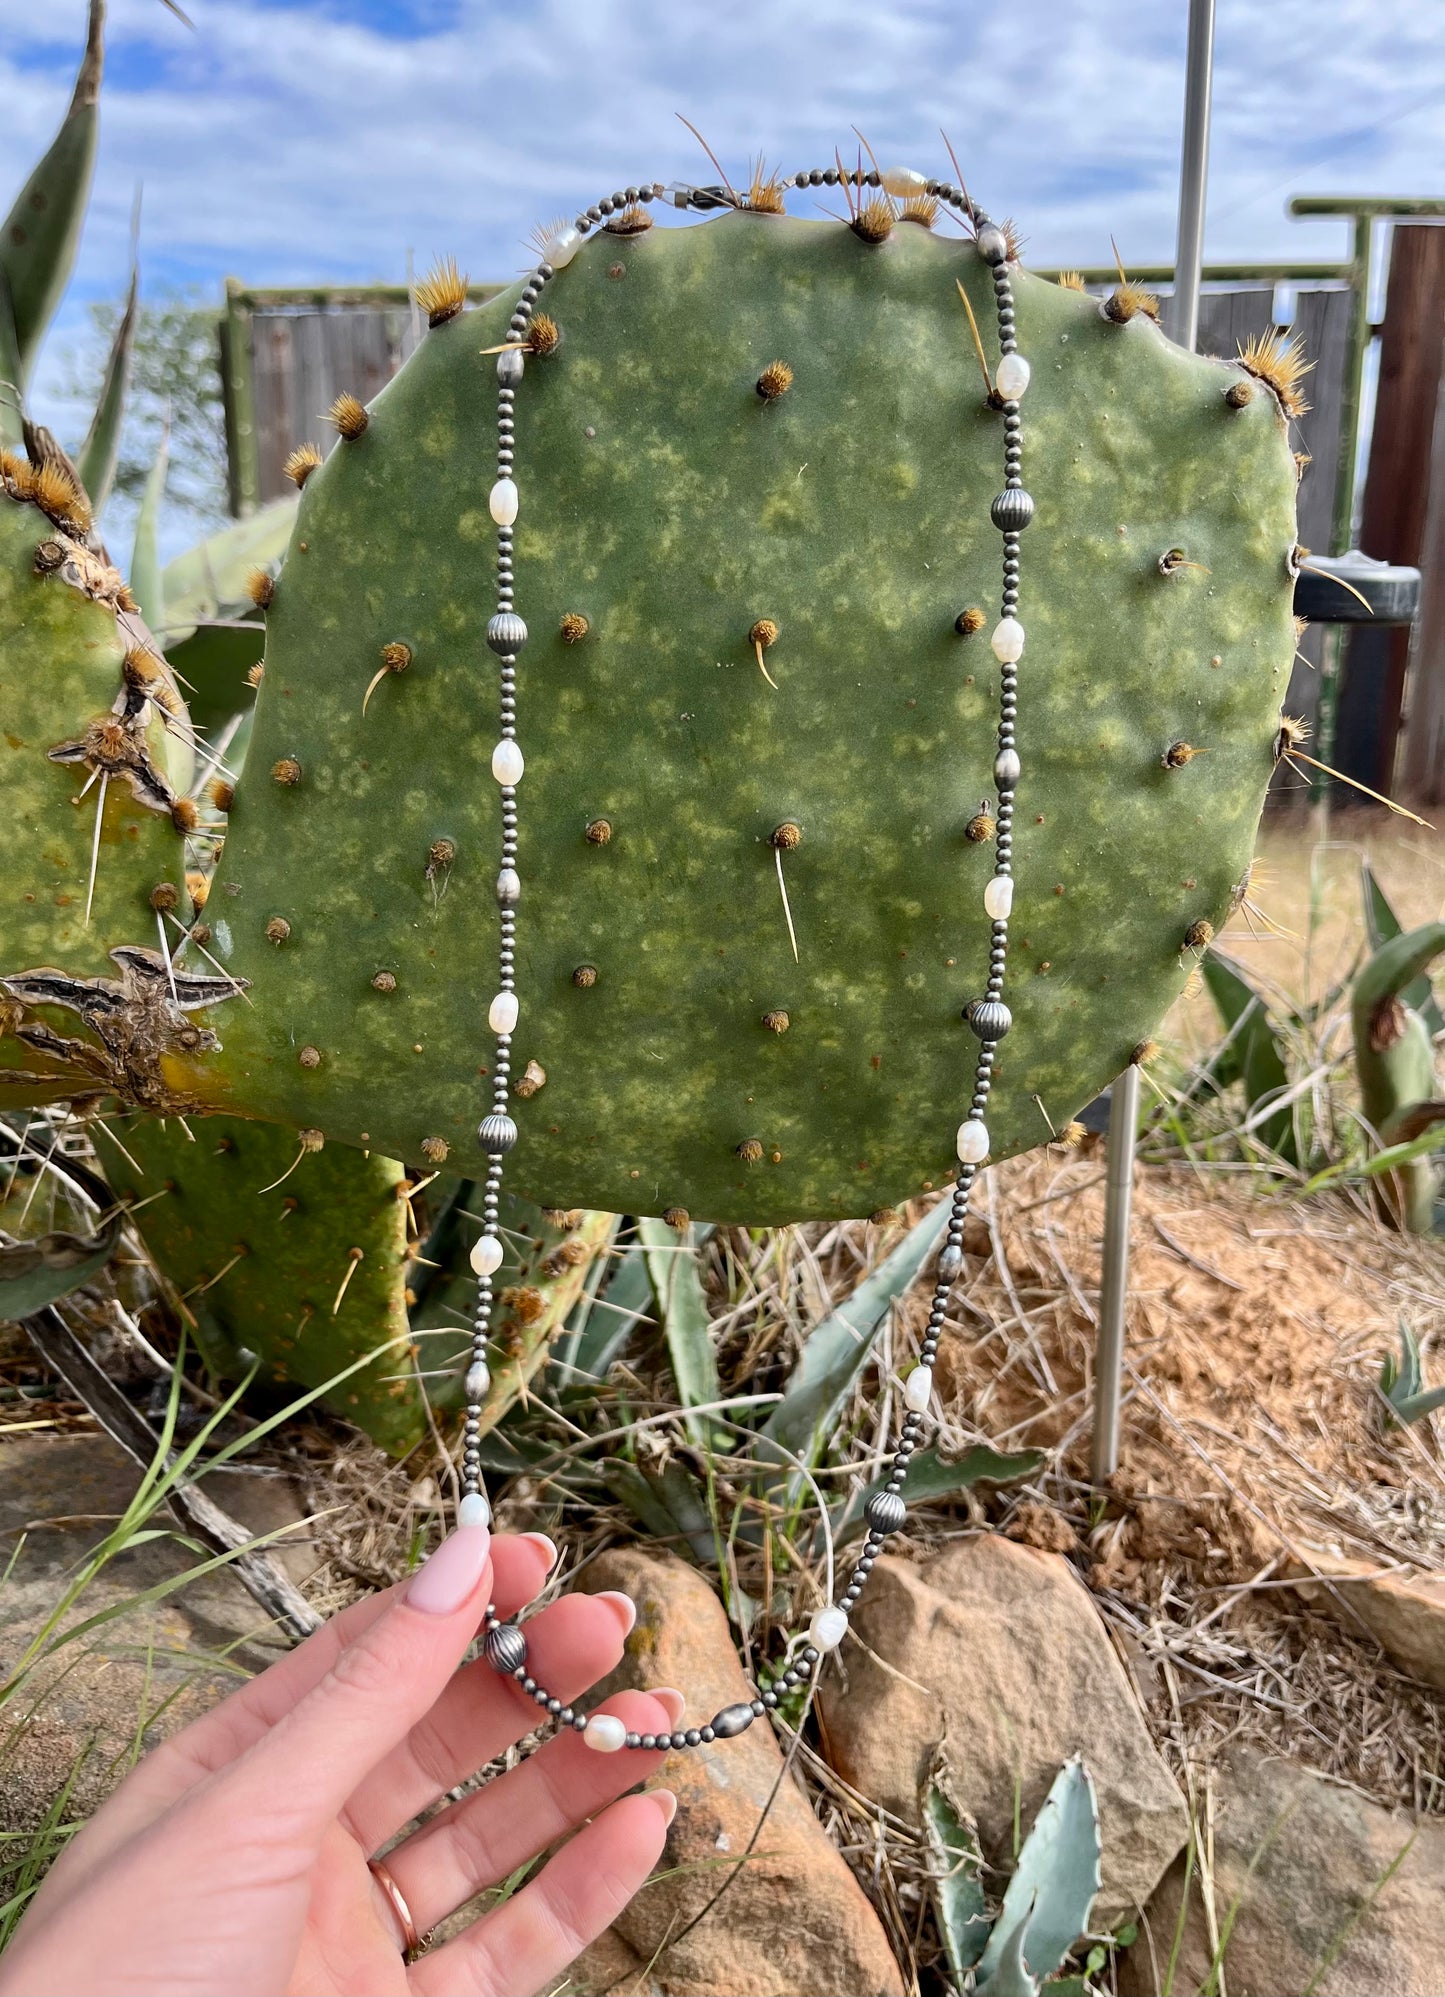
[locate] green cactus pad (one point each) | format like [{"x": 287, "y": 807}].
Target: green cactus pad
[
  {"x": 255, "y": 1254},
  {"x": 671, "y": 506}
]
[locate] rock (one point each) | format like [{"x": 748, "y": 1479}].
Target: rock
[
  {"x": 1298, "y": 1858},
  {"x": 1405, "y": 1611},
  {"x": 64, "y": 1493},
  {"x": 793, "y": 1917},
  {"x": 998, "y": 1650}
]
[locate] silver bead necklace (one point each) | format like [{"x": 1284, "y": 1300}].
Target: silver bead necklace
[{"x": 503, "y": 1643}]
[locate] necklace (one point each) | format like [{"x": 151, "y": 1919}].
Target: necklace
[{"x": 504, "y": 1644}]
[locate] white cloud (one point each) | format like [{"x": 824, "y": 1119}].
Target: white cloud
[{"x": 289, "y": 143}]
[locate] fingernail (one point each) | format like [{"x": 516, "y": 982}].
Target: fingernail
[
  {"x": 666, "y": 1802},
  {"x": 673, "y": 1702},
  {"x": 449, "y": 1577},
  {"x": 624, "y": 1605},
  {"x": 548, "y": 1550}
]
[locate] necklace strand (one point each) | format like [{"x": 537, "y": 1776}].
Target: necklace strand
[{"x": 504, "y": 1644}]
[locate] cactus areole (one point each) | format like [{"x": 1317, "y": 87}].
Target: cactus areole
[{"x": 699, "y": 728}]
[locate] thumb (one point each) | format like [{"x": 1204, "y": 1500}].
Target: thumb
[{"x": 308, "y": 1765}]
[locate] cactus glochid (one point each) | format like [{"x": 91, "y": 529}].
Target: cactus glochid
[{"x": 670, "y": 511}]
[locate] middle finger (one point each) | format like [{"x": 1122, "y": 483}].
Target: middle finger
[{"x": 570, "y": 1645}]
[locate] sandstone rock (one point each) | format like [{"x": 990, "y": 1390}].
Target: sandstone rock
[
  {"x": 1406, "y": 1611},
  {"x": 1301, "y": 1856},
  {"x": 793, "y": 1917},
  {"x": 997, "y": 1650},
  {"x": 64, "y": 1493}
]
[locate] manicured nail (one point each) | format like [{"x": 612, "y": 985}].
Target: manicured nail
[
  {"x": 623, "y": 1605},
  {"x": 548, "y": 1550},
  {"x": 673, "y": 1702},
  {"x": 449, "y": 1577},
  {"x": 665, "y": 1801}
]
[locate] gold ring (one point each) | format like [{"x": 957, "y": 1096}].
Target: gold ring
[{"x": 412, "y": 1944}]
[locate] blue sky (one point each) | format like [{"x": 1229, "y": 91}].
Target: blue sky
[
  {"x": 292, "y": 140},
  {"x": 288, "y": 141}
]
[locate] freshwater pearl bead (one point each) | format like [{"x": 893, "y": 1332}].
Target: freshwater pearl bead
[
  {"x": 509, "y": 887},
  {"x": 507, "y": 764},
  {"x": 605, "y": 1732},
  {"x": 560, "y": 249},
  {"x": 1011, "y": 377},
  {"x": 502, "y": 1012},
  {"x": 972, "y": 1141},
  {"x": 486, "y": 1254},
  {"x": 479, "y": 1378},
  {"x": 828, "y": 1628},
  {"x": 998, "y": 897},
  {"x": 1008, "y": 640},
  {"x": 902, "y": 180},
  {"x": 918, "y": 1388},
  {"x": 502, "y": 501},
  {"x": 474, "y": 1510}
]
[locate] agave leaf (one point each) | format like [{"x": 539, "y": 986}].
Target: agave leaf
[
  {"x": 1052, "y": 1889},
  {"x": 100, "y": 452},
  {"x": 838, "y": 1348},
  {"x": 930, "y": 1477},
  {"x": 670, "y": 1503},
  {"x": 36, "y": 1270},
  {"x": 681, "y": 1309},
  {"x": 12, "y": 393},
  {"x": 1010, "y": 1975},
  {"x": 211, "y": 631},
  {"x": 1259, "y": 1058},
  {"x": 145, "y": 567},
  {"x": 1403, "y": 1385},
  {"x": 956, "y": 1881},
  {"x": 40, "y": 236},
  {"x": 1383, "y": 925}
]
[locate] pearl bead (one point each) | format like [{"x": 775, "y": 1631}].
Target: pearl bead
[
  {"x": 502, "y": 1012},
  {"x": 1011, "y": 377},
  {"x": 1008, "y": 640},
  {"x": 509, "y": 887},
  {"x": 474, "y": 1510},
  {"x": 918, "y": 1387},
  {"x": 605, "y": 1732},
  {"x": 998, "y": 897},
  {"x": 828, "y": 1628},
  {"x": 902, "y": 180},
  {"x": 502, "y": 501},
  {"x": 478, "y": 1380},
  {"x": 972, "y": 1141},
  {"x": 560, "y": 249},
  {"x": 486, "y": 1254},
  {"x": 507, "y": 764}
]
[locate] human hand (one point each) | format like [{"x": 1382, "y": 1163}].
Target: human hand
[{"x": 235, "y": 1858}]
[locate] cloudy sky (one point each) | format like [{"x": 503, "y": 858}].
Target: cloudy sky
[{"x": 299, "y": 140}]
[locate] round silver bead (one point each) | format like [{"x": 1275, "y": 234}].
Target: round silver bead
[
  {"x": 509, "y": 887},
  {"x": 1007, "y": 769},
  {"x": 989, "y": 1018},
  {"x": 505, "y": 1649},
  {"x": 992, "y": 243},
  {"x": 506, "y": 632},
  {"x": 885, "y": 1512},
  {"x": 1012, "y": 510},
  {"x": 496, "y": 1133}
]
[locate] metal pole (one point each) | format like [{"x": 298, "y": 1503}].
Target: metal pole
[
  {"x": 1124, "y": 1109},
  {"x": 1109, "y": 1348},
  {"x": 1183, "y": 316}
]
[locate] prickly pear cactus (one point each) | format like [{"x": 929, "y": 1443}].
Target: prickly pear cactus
[
  {"x": 677, "y": 1052},
  {"x": 325, "y": 1267}
]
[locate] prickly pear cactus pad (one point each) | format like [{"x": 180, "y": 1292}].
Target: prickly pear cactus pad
[{"x": 754, "y": 717}]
